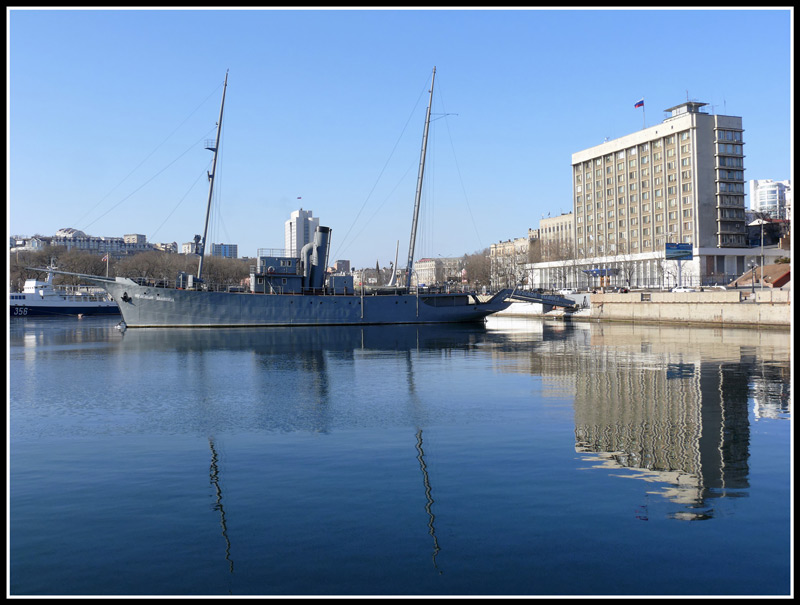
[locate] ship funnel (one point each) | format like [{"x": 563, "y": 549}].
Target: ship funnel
[{"x": 319, "y": 257}]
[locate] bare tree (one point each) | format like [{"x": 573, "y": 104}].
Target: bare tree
[{"x": 478, "y": 266}]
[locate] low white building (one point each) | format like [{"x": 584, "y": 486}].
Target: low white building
[{"x": 708, "y": 266}]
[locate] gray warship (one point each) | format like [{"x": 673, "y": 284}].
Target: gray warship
[{"x": 292, "y": 291}]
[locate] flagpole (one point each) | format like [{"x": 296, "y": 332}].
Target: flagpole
[
  {"x": 644, "y": 123},
  {"x": 638, "y": 104}
]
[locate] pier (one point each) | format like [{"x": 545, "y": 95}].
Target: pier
[{"x": 762, "y": 308}]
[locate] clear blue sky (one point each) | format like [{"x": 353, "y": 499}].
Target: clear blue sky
[{"x": 108, "y": 110}]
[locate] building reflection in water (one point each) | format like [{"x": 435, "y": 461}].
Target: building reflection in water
[
  {"x": 676, "y": 415},
  {"x": 666, "y": 404},
  {"x": 687, "y": 427}
]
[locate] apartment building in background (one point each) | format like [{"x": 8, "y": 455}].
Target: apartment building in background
[
  {"x": 225, "y": 250},
  {"x": 773, "y": 198}
]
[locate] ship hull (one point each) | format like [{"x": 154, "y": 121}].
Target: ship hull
[
  {"x": 62, "y": 310},
  {"x": 147, "y": 307}
]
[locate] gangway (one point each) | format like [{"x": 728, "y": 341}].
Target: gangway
[{"x": 545, "y": 299}]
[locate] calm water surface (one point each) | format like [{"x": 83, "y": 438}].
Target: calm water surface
[{"x": 519, "y": 458}]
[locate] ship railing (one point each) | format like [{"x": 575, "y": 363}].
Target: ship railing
[
  {"x": 168, "y": 283},
  {"x": 152, "y": 282}
]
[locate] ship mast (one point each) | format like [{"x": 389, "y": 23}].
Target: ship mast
[
  {"x": 211, "y": 176},
  {"x": 410, "y": 265}
]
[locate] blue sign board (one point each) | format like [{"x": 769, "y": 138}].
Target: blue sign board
[
  {"x": 678, "y": 251},
  {"x": 602, "y": 272}
]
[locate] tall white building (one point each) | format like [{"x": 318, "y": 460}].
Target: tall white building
[
  {"x": 771, "y": 197},
  {"x": 299, "y": 231}
]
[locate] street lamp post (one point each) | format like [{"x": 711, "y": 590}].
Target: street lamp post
[
  {"x": 761, "y": 286},
  {"x": 760, "y": 221}
]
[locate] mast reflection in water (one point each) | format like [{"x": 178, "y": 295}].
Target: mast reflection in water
[
  {"x": 214, "y": 474},
  {"x": 545, "y": 446}
]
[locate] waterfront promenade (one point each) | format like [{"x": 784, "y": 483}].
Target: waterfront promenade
[{"x": 762, "y": 308}]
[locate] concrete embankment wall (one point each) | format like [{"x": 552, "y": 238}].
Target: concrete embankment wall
[{"x": 765, "y": 308}]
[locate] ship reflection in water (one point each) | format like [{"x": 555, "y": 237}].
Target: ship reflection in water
[{"x": 663, "y": 408}]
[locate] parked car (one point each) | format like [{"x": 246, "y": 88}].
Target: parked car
[
  {"x": 683, "y": 289},
  {"x": 567, "y": 291},
  {"x": 620, "y": 289}
]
